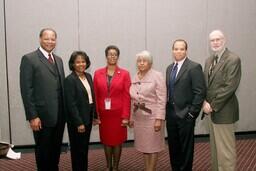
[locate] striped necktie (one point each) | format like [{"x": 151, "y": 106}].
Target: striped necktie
[
  {"x": 172, "y": 79},
  {"x": 214, "y": 62},
  {"x": 50, "y": 59}
]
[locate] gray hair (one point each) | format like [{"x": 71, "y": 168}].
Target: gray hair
[
  {"x": 145, "y": 55},
  {"x": 218, "y": 32}
]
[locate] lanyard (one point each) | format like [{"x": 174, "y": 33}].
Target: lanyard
[{"x": 109, "y": 79}]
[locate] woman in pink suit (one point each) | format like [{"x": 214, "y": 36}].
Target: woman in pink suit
[
  {"x": 111, "y": 85},
  {"x": 148, "y": 94}
]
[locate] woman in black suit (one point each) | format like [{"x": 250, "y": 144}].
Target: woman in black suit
[{"x": 79, "y": 98}]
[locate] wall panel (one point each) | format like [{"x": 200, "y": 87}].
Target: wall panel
[
  {"x": 24, "y": 21},
  {"x": 132, "y": 26},
  {"x": 121, "y": 23},
  {"x": 177, "y": 20},
  {"x": 237, "y": 20}
]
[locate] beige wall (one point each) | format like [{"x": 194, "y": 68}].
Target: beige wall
[{"x": 133, "y": 26}]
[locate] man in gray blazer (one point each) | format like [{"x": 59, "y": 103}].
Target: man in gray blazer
[
  {"x": 41, "y": 84},
  {"x": 222, "y": 74},
  {"x": 186, "y": 93}
]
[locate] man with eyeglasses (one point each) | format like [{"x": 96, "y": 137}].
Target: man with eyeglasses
[{"x": 222, "y": 75}]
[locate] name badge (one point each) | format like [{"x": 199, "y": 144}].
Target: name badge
[{"x": 107, "y": 103}]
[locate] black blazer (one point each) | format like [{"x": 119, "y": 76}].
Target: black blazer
[
  {"x": 79, "y": 111},
  {"x": 39, "y": 87},
  {"x": 189, "y": 88}
]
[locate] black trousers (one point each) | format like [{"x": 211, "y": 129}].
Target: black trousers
[
  {"x": 79, "y": 145},
  {"x": 180, "y": 140},
  {"x": 48, "y": 143}
]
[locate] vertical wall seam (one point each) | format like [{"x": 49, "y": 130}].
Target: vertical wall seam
[
  {"x": 146, "y": 22},
  {"x": 7, "y": 77},
  {"x": 78, "y": 25},
  {"x": 207, "y": 27}
]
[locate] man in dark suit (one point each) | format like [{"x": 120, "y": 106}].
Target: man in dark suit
[
  {"x": 186, "y": 93},
  {"x": 41, "y": 84},
  {"x": 222, "y": 75}
]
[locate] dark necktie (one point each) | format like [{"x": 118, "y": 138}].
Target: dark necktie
[
  {"x": 214, "y": 62},
  {"x": 50, "y": 60},
  {"x": 172, "y": 79}
]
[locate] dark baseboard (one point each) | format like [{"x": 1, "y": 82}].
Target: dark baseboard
[
  {"x": 244, "y": 134},
  {"x": 30, "y": 148},
  {"x": 198, "y": 138}
]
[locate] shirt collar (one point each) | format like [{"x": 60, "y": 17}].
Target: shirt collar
[
  {"x": 180, "y": 62},
  {"x": 45, "y": 53},
  {"x": 220, "y": 53}
]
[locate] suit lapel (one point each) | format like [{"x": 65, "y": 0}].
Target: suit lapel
[
  {"x": 103, "y": 74},
  {"x": 218, "y": 65},
  {"x": 182, "y": 70},
  {"x": 115, "y": 78},
  {"x": 168, "y": 73},
  {"x": 45, "y": 62},
  {"x": 89, "y": 78},
  {"x": 207, "y": 68},
  {"x": 79, "y": 83},
  {"x": 58, "y": 63}
]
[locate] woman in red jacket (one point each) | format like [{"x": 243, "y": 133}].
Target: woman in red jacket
[{"x": 111, "y": 86}]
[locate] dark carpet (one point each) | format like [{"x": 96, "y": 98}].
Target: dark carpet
[{"x": 132, "y": 160}]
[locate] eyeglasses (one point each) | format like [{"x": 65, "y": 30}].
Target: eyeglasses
[
  {"x": 112, "y": 54},
  {"x": 216, "y": 40}
]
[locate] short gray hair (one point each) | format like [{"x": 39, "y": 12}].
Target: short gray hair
[
  {"x": 145, "y": 55},
  {"x": 218, "y": 32}
]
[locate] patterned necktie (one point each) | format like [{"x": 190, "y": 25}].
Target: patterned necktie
[
  {"x": 172, "y": 79},
  {"x": 214, "y": 62},
  {"x": 50, "y": 60}
]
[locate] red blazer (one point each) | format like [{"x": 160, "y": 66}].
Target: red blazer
[{"x": 118, "y": 92}]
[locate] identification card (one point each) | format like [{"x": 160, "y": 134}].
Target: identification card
[{"x": 107, "y": 103}]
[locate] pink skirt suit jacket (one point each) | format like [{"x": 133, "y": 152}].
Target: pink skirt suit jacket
[
  {"x": 110, "y": 129},
  {"x": 150, "y": 92}
]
